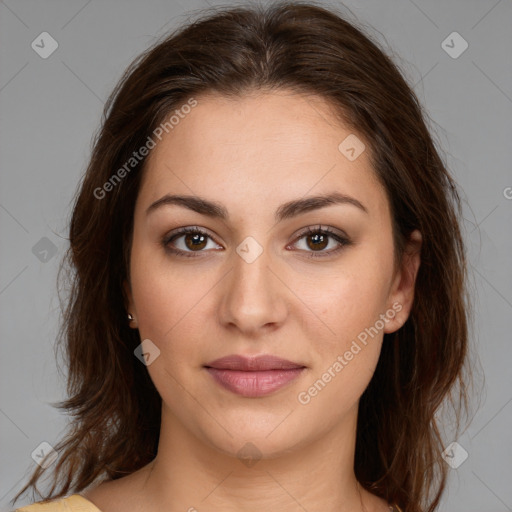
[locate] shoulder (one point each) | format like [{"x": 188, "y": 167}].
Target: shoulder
[{"x": 73, "y": 503}]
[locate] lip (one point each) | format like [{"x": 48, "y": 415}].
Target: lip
[
  {"x": 253, "y": 376},
  {"x": 252, "y": 364}
]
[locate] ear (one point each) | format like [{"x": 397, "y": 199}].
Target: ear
[
  {"x": 402, "y": 289},
  {"x": 130, "y": 306}
]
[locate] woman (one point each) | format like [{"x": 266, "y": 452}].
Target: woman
[{"x": 268, "y": 303}]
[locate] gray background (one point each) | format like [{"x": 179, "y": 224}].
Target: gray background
[{"x": 51, "y": 107}]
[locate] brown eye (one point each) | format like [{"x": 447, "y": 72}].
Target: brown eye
[
  {"x": 317, "y": 239},
  {"x": 195, "y": 241},
  {"x": 186, "y": 241}
]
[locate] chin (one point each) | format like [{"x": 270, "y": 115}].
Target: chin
[{"x": 259, "y": 438}]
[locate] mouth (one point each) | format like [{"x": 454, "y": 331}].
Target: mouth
[{"x": 253, "y": 376}]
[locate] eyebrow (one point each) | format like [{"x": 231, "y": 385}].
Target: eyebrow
[{"x": 285, "y": 211}]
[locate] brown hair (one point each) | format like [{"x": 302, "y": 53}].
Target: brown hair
[{"x": 305, "y": 48}]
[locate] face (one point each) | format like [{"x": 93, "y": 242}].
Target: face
[{"x": 311, "y": 283}]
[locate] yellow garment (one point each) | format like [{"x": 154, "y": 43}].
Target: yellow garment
[
  {"x": 77, "y": 503},
  {"x": 73, "y": 503}
]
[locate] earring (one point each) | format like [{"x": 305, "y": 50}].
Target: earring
[{"x": 130, "y": 317}]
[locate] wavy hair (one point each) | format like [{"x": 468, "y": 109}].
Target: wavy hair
[{"x": 307, "y": 48}]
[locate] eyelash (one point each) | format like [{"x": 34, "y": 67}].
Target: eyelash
[{"x": 343, "y": 241}]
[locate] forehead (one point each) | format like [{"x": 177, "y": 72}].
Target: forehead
[{"x": 265, "y": 146}]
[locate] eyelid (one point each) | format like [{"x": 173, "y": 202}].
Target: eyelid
[
  {"x": 315, "y": 228},
  {"x": 179, "y": 232}
]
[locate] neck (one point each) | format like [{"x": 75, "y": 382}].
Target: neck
[{"x": 190, "y": 474}]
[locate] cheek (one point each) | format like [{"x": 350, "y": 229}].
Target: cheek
[
  {"x": 347, "y": 330},
  {"x": 173, "y": 303},
  {"x": 168, "y": 310},
  {"x": 347, "y": 352},
  {"x": 346, "y": 303},
  {"x": 160, "y": 297}
]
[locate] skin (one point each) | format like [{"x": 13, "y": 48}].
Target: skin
[{"x": 253, "y": 154}]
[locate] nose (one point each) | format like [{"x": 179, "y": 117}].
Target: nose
[{"x": 253, "y": 295}]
